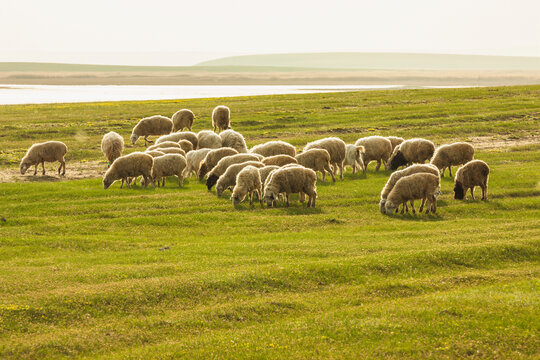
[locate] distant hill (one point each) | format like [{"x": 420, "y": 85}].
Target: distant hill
[{"x": 379, "y": 61}]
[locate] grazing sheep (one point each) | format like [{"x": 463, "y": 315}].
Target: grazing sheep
[
  {"x": 153, "y": 125},
  {"x": 176, "y": 137},
  {"x": 423, "y": 186},
  {"x": 354, "y": 157},
  {"x": 163, "y": 145},
  {"x": 377, "y": 148},
  {"x": 154, "y": 153},
  {"x": 272, "y": 148},
  {"x": 411, "y": 151},
  {"x": 474, "y": 173},
  {"x": 395, "y": 141},
  {"x": 168, "y": 165},
  {"x": 228, "y": 179},
  {"x": 186, "y": 145},
  {"x": 224, "y": 163},
  {"x": 279, "y": 160},
  {"x": 212, "y": 158},
  {"x": 335, "y": 147},
  {"x": 316, "y": 160},
  {"x": 182, "y": 119},
  {"x": 172, "y": 150},
  {"x": 266, "y": 171},
  {"x": 289, "y": 180},
  {"x": 248, "y": 181},
  {"x": 414, "y": 169},
  {"x": 49, "y": 151},
  {"x": 233, "y": 139},
  {"x": 193, "y": 161},
  {"x": 221, "y": 118},
  {"x": 452, "y": 154},
  {"x": 208, "y": 139},
  {"x": 130, "y": 166},
  {"x": 112, "y": 146}
]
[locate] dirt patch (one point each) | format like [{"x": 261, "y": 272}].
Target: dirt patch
[
  {"x": 74, "y": 171},
  {"x": 502, "y": 141}
]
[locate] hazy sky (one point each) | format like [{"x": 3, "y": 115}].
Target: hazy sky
[{"x": 163, "y": 32}]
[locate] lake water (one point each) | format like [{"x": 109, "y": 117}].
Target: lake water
[{"x": 43, "y": 94}]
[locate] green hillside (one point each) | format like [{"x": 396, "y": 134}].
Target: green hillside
[{"x": 397, "y": 61}]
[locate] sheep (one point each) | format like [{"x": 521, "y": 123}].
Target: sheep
[
  {"x": 411, "y": 151},
  {"x": 291, "y": 179},
  {"x": 155, "y": 153},
  {"x": 176, "y": 137},
  {"x": 335, "y": 147},
  {"x": 316, "y": 160},
  {"x": 228, "y": 179},
  {"x": 248, "y": 181},
  {"x": 212, "y": 158},
  {"x": 452, "y": 154},
  {"x": 186, "y": 145},
  {"x": 172, "y": 150},
  {"x": 224, "y": 163},
  {"x": 474, "y": 173},
  {"x": 221, "y": 118},
  {"x": 279, "y": 160},
  {"x": 423, "y": 186},
  {"x": 182, "y": 119},
  {"x": 266, "y": 171},
  {"x": 208, "y": 139},
  {"x": 168, "y": 165},
  {"x": 193, "y": 161},
  {"x": 395, "y": 141},
  {"x": 49, "y": 151},
  {"x": 233, "y": 139},
  {"x": 414, "y": 169},
  {"x": 130, "y": 166},
  {"x": 153, "y": 125},
  {"x": 163, "y": 145},
  {"x": 112, "y": 146},
  {"x": 272, "y": 148},
  {"x": 377, "y": 148},
  {"x": 354, "y": 157}
]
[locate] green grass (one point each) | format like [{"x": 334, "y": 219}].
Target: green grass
[{"x": 179, "y": 273}]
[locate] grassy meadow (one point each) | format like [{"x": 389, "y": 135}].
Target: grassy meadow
[{"x": 179, "y": 273}]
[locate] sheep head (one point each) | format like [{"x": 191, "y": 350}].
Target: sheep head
[
  {"x": 459, "y": 194},
  {"x": 134, "y": 138},
  {"x": 211, "y": 181},
  {"x": 389, "y": 207},
  {"x": 24, "y": 166},
  {"x": 397, "y": 160}
]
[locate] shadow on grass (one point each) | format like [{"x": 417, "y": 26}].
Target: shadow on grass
[
  {"x": 43, "y": 178},
  {"x": 417, "y": 217}
]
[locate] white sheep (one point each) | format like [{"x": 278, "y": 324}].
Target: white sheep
[
  {"x": 228, "y": 179},
  {"x": 185, "y": 145},
  {"x": 458, "y": 153},
  {"x": 272, "y": 148},
  {"x": 193, "y": 161},
  {"x": 411, "y": 151},
  {"x": 354, "y": 157},
  {"x": 177, "y": 136},
  {"x": 248, "y": 181},
  {"x": 279, "y": 160},
  {"x": 163, "y": 145},
  {"x": 49, "y": 151},
  {"x": 130, "y": 166},
  {"x": 290, "y": 180},
  {"x": 224, "y": 163},
  {"x": 183, "y": 119},
  {"x": 153, "y": 125},
  {"x": 395, "y": 141},
  {"x": 171, "y": 150},
  {"x": 335, "y": 147},
  {"x": 377, "y": 148},
  {"x": 221, "y": 118},
  {"x": 112, "y": 146},
  {"x": 423, "y": 186},
  {"x": 474, "y": 173},
  {"x": 393, "y": 179},
  {"x": 212, "y": 158},
  {"x": 168, "y": 165},
  {"x": 154, "y": 153},
  {"x": 266, "y": 171},
  {"x": 316, "y": 160},
  {"x": 233, "y": 139},
  {"x": 208, "y": 139}
]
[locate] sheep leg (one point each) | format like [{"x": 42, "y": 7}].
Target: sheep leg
[
  {"x": 442, "y": 172},
  {"x": 329, "y": 169},
  {"x": 250, "y": 195},
  {"x": 378, "y": 165},
  {"x": 180, "y": 180},
  {"x": 43, "y": 167},
  {"x": 323, "y": 175},
  {"x": 35, "y": 170},
  {"x": 433, "y": 201},
  {"x": 450, "y": 170},
  {"x": 412, "y": 206},
  {"x": 484, "y": 192},
  {"x": 422, "y": 204},
  {"x": 302, "y": 197},
  {"x": 402, "y": 209},
  {"x": 472, "y": 193},
  {"x": 122, "y": 183},
  {"x": 287, "y": 199},
  {"x": 163, "y": 184},
  {"x": 341, "y": 171},
  {"x": 354, "y": 168}
]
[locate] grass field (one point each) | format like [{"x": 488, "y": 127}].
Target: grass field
[{"x": 179, "y": 273}]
